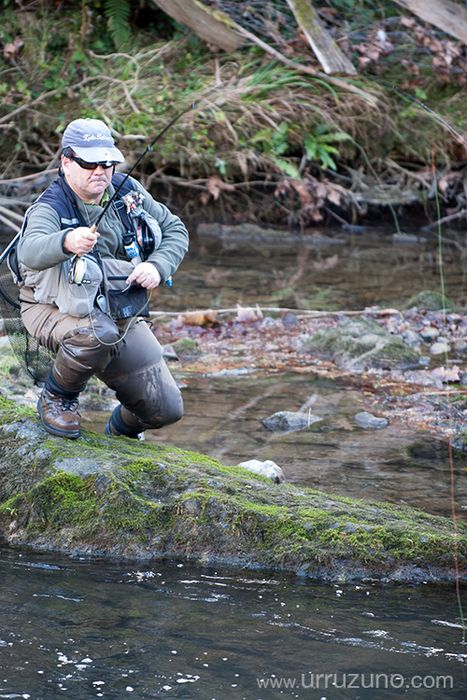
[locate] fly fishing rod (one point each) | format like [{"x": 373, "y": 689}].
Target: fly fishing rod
[{"x": 148, "y": 149}]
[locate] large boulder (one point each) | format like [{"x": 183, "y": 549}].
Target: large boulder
[{"x": 128, "y": 499}]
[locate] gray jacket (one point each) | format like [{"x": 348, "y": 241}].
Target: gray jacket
[{"x": 40, "y": 249}]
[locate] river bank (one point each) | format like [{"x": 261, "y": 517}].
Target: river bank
[{"x": 257, "y": 140}]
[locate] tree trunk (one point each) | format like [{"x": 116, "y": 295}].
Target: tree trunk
[
  {"x": 122, "y": 498},
  {"x": 212, "y": 26},
  {"x": 328, "y": 53},
  {"x": 444, "y": 14}
]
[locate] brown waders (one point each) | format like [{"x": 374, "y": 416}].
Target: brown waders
[{"x": 130, "y": 363}]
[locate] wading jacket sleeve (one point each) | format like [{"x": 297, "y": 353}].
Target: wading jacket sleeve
[{"x": 41, "y": 245}]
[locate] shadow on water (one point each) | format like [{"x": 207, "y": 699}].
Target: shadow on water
[{"x": 176, "y": 631}]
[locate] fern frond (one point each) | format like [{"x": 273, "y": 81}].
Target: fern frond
[{"x": 118, "y": 13}]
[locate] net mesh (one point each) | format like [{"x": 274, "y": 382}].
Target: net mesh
[{"x": 34, "y": 358}]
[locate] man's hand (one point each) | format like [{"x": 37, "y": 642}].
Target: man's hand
[
  {"x": 81, "y": 240},
  {"x": 146, "y": 275}
]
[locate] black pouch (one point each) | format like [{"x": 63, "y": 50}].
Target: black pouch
[
  {"x": 124, "y": 300},
  {"x": 131, "y": 301}
]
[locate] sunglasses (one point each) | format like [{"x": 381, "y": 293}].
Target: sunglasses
[{"x": 92, "y": 166}]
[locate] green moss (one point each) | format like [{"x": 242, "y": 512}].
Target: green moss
[
  {"x": 10, "y": 410},
  {"x": 64, "y": 500},
  {"x": 431, "y": 300},
  {"x": 124, "y": 498}
]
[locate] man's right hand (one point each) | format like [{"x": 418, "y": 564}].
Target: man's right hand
[{"x": 81, "y": 240}]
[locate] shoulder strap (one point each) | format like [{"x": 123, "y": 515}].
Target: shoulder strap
[
  {"x": 59, "y": 196},
  {"x": 120, "y": 206}
]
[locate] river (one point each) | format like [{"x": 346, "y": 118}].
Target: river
[
  {"x": 88, "y": 628},
  {"x": 81, "y": 629}
]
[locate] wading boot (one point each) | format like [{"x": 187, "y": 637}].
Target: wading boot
[
  {"x": 116, "y": 426},
  {"x": 59, "y": 415}
]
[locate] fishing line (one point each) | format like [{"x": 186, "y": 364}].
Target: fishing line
[
  {"x": 130, "y": 323},
  {"x": 436, "y": 116},
  {"x": 454, "y": 519}
]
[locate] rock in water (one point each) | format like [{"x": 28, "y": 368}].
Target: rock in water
[
  {"x": 267, "y": 468},
  {"x": 361, "y": 344},
  {"x": 368, "y": 420},
  {"x": 289, "y": 421}
]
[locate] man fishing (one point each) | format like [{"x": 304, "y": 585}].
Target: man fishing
[{"x": 91, "y": 249}]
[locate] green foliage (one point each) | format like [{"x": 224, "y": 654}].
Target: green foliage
[
  {"x": 275, "y": 143},
  {"x": 319, "y": 145},
  {"x": 118, "y": 16}
]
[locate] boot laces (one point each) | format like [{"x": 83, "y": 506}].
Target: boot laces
[{"x": 70, "y": 404}]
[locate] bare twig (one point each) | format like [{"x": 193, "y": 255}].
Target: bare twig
[
  {"x": 9, "y": 223},
  {"x": 8, "y": 213},
  {"x": 445, "y": 220},
  {"x": 46, "y": 95},
  {"x": 33, "y": 176}
]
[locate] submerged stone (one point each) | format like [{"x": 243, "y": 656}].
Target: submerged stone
[
  {"x": 430, "y": 300},
  {"x": 289, "y": 421},
  {"x": 368, "y": 420}
]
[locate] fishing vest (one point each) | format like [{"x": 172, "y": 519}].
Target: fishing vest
[
  {"x": 53, "y": 285},
  {"x": 61, "y": 198}
]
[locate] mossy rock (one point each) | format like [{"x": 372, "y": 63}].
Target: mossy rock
[
  {"x": 360, "y": 344},
  {"x": 125, "y": 499},
  {"x": 430, "y": 300}
]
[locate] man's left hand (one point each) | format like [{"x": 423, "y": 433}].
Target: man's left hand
[{"x": 146, "y": 275}]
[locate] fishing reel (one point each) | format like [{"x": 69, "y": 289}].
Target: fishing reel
[{"x": 77, "y": 270}]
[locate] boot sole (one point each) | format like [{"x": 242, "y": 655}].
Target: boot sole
[{"x": 71, "y": 434}]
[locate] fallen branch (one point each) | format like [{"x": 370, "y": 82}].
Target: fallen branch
[
  {"x": 301, "y": 313},
  {"x": 33, "y": 176},
  {"x": 339, "y": 82},
  {"x": 7, "y": 212}
]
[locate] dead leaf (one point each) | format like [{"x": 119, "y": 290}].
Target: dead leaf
[
  {"x": 334, "y": 195},
  {"x": 326, "y": 263},
  {"x": 199, "y": 318},
  {"x": 216, "y": 185},
  {"x": 302, "y": 190}
]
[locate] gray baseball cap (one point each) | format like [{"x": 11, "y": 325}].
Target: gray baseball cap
[{"x": 92, "y": 141}]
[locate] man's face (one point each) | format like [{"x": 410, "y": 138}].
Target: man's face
[{"x": 89, "y": 185}]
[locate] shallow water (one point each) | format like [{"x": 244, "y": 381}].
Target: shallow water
[
  {"x": 334, "y": 270},
  {"x": 398, "y": 464},
  {"x": 96, "y": 629},
  {"x": 324, "y": 270}
]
